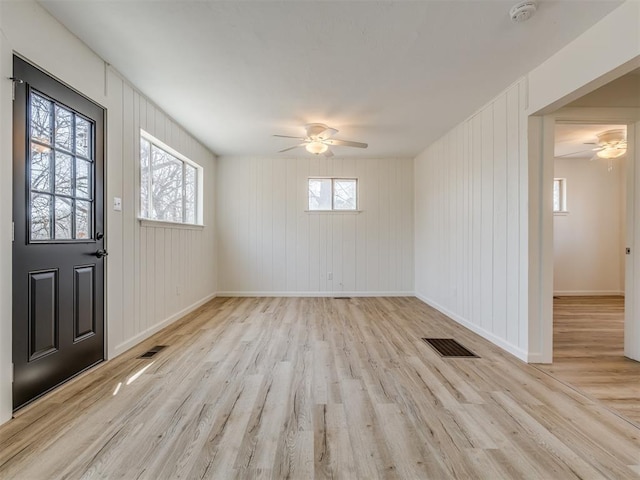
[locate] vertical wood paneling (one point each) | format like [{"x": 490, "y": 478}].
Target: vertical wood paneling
[
  {"x": 470, "y": 209},
  {"x": 113, "y": 226},
  {"x": 129, "y": 223},
  {"x": 361, "y": 225},
  {"x": 513, "y": 214},
  {"x": 487, "y": 227},
  {"x": 294, "y": 250},
  {"x": 500, "y": 175},
  {"x": 154, "y": 272}
]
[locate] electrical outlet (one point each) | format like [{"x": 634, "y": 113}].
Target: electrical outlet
[
  {"x": 329, "y": 276},
  {"x": 117, "y": 204}
]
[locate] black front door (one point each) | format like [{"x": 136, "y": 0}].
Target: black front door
[{"x": 58, "y": 256}]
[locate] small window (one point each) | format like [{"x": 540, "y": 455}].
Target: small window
[
  {"x": 559, "y": 195},
  {"x": 327, "y": 194},
  {"x": 170, "y": 184}
]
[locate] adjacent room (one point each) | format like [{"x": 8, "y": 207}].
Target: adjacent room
[{"x": 319, "y": 239}]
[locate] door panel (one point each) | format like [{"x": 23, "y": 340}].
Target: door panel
[
  {"x": 84, "y": 294},
  {"x": 43, "y": 313},
  {"x": 58, "y": 280}
]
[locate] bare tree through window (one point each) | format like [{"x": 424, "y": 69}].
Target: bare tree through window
[
  {"x": 168, "y": 184},
  {"x": 332, "y": 194},
  {"x": 60, "y": 172}
]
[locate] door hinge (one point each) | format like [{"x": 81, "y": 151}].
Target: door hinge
[
  {"x": 14, "y": 80},
  {"x": 13, "y": 231},
  {"x": 13, "y": 371}
]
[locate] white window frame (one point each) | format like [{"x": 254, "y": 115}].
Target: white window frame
[
  {"x": 333, "y": 210},
  {"x": 179, "y": 156},
  {"x": 562, "y": 182}
]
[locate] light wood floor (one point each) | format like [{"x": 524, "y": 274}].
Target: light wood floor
[
  {"x": 588, "y": 352},
  {"x": 317, "y": 387}
]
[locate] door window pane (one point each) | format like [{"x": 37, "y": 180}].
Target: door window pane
[
  {"x": 63, "y": 215},
  {"x": 64, "y": 128},
  {"x": 83, "y": 178},
  {"x": 60, "y": 174},
  {"x": 83, "y": 138},
  {"x": 40, "y": 167},
  {"x": 41, "y": 115},
  {"x": 63, "y": 173},
  {"x": 83, "y": 219},
  {"x": 40, "y": 216},
  {"x": 319, "y": 194}
]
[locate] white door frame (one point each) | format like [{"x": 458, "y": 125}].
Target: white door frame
[{"x": 541, "y": 158}]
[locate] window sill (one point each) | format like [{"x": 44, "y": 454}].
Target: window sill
[
  {"x": 146, "y": 222},
  {"x": 341, "y": 212},
  {"x": 561, "y": 214}
]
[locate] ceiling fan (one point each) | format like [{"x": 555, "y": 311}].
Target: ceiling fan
[
  {"x": 611, "y": 144},
  {"x": 318, "y": 140}
]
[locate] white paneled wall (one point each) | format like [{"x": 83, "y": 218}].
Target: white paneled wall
[
  {"x": 156, "y": 271},
  {"x": 154, "y": 274},
  {"x": 470, "y": 222},
  {"x": 269, "y": 245}
]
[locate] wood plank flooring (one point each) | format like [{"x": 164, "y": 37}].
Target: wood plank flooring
[
  {"x": 588, "y": 352},
  {"x": 317, "y": 388}
]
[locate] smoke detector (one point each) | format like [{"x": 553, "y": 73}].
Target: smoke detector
[{"x": 523, "y": 11}]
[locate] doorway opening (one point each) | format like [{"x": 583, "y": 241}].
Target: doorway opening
[
  {"x": 589, "y": 229},
  {"x": 593, "y": 166}
]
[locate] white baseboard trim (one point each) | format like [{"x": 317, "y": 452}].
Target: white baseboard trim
[
  {"x": 587, "y": 293},
  {"x": 536, "y": 358},
  {"x": 500, "y": 342},
  {"x": 313, "y": 294},
  {"x": 133, "y": 341}
]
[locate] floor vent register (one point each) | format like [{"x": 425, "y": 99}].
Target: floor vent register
[
  {"x": 153, "y": 351},
  {"x": 449, "y": 348}
]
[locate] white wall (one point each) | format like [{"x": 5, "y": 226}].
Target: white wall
[
  {"x": 460, "y": 259},
  {"x": 606, "y": 51},
  {"x": 156, "y": 272},
  {"x": 588, "y": 253},
  {"x": 6, "y": 185},
  {"x": 269, "y": 245},
  {"x": 145, "y": 264},
  {"x": 470, "y": 222}
]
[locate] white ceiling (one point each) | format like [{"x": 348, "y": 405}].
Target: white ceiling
[
  {"x": 394, "y": 74},
  {"x": 571, "y": 140}
]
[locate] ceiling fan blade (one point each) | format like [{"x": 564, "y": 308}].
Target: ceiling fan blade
[
  {"x": 324, "y": 135},
  {"x": 328, "y": 153},
  {"x": 574, "y": 153},
  {"x": 291, "y": 148},
  {"x": 287, "y": 136},
  {"x": 345, "y": 143}
]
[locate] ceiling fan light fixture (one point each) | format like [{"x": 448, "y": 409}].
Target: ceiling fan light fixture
[
  {"x": 613, "y": 144},
  {"x": 316, "y": 148},
  {"x": 611, "y": 152}
]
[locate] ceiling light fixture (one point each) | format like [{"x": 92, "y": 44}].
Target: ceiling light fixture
[
  {"x": 612, "y": 144},
  {"x": 316, "y": 148}
]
